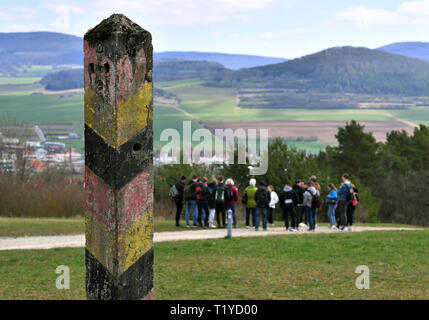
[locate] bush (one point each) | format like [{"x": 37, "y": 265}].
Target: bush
[{"x": 43, "y": 195}]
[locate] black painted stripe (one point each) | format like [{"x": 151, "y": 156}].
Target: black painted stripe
[
  {"x": 117, "y": 167},
  {"x": 134, "y": 284}
]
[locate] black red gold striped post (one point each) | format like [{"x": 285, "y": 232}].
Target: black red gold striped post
[{"x": 119, "y": 161}]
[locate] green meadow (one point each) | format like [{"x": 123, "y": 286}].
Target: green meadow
[{"x": 304, "y": 266}]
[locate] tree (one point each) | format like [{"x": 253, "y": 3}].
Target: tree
[{"x": 358, "y": 153}]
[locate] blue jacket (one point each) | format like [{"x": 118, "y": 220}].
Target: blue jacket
[
  {"x": 333, "y": 195},
  {"x": 344, "y": 192}
]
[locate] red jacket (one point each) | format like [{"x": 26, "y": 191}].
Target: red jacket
[{"x": 234, "y": 194}]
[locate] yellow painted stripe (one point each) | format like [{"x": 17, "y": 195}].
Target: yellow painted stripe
[
  {"x": 126, "y": 249},
  {"x": 117, "y": 125},
  {"x": 134, "y": 114},
  {"x": 135, "y": 241}
]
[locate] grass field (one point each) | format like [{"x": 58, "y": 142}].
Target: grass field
[
  {"x": 19, "y": 80},
  {"x": 312, "y": 266}
]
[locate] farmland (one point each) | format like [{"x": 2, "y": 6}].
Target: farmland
[{"x": 207, "y": 107}]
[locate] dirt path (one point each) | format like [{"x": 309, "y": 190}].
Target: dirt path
[
  {"x": 408, "y": 123},
  {"x": 70, "y": 241}
]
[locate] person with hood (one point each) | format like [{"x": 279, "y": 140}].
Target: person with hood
[
  {"x": 299, "y": 191},
  {"x": 262, "y": 198},
  {"x": 274, "y": 199},
  {"x": 352, "y": 207},
  {"x": 211, "y": 203},
  {"x": 230, "y": 203},
  {"x": 332, "y": 201},
  {"x": 311, "y": 195},
  {"x": 344, "y": 197},
  {"x": 203, "y": 209},
  {"x": 249, "y": 201},
  {"x": 178, "y": 199},
  {"x": 220, "y": 202},
  {"x": 288, "y": 202},
  {"x": 190, "y": 195}
]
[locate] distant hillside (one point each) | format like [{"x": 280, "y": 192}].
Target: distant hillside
[
  {"x": 230, "y": 61},
  {"x": 24, "y": 49},
  {"x": 63, "y": 80},
  {"x": 38, "y": 48},
  {"x": 419, "y": 50},
  {"x": 342, "y": 69},
  {"x": 168, "y": 70}
]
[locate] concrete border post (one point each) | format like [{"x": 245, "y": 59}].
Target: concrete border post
[{"x": 118, "y": 160}]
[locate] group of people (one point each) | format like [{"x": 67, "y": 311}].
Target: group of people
[{"x": 299, "y": 203}]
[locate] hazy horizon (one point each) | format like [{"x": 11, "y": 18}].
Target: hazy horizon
[{"x": 271, "y": 28}]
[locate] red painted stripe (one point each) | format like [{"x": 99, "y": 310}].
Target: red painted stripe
[{"x": 133, "y": 200}]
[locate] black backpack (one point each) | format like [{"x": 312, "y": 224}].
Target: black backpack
[
  {"x": 316, "y": 203},
  {"x": 228, "y": 194},
  {"x": 264, "y": 198},
  {"x": 288, "y": 200},
  {"x": 220, "y": 193}
]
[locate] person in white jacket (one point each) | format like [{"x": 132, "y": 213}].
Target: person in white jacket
[{"x": 273, "y": 201}]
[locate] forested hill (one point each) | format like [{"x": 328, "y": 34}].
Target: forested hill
[
  {"x": 419, "y": 50},
  {"x": 230, "y": 61},
  {"x": 340, "y": 69},
  {"x": 40, "y": 48},
  {"x": 166, "y": 70}
]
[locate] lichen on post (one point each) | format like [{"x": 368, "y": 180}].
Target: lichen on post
[{"x": 118, "y": 68}]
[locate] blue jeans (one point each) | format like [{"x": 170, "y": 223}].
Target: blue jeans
[
  {"x": 331, "y": 213},
  {"x": 311, "y": 214},
  {"x": 248, "y": 211},
  {"x": 203, "y": 212},
  {"x": 191, "y": 204},
  {"x": 234, "y": 216},
  {"x": 264, "y": 218}
]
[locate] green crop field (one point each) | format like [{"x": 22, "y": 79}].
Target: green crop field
[
  {"x": 311, "y": 266},
  {"x": 213, "y": 104},
  {"x": 19, "y": 80},
  {"x": 203, "y": 103}
]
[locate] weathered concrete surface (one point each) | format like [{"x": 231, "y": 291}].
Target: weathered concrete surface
[{"x": 118, "y": 157}]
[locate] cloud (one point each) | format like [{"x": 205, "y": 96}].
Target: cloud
[
  {"x": 406, "y": 13},
  {"x": 363, "y": 17},
  {"x": 418, "y": 8},
  {"x": 279, "y": 34},
  {"x": 185, "y": 12}
]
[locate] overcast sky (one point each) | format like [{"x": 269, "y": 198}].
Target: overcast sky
[{"x": 280, "y": 28}]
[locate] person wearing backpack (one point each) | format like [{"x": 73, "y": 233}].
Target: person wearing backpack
[
  {"x": 211, "y": 202},
  {"x": 262, "y": 198},
  {"x": 231, "y": 197},
  {"x": 220, "y": 202},
  {"x": 288, "y": 202},
  {"x": 203, "y": 209},
  {"x": 332, "y": 201},
  {"x": 344, "y": 198},
  {"x": 249, "y": 201},
  {"x": 176, "y": 192},
  {"x": 352, "y": 207},
  {"x": 190, "y": 195},
  {"x": 311, "y": 204},
  {"x": 274, "y": 199}
]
